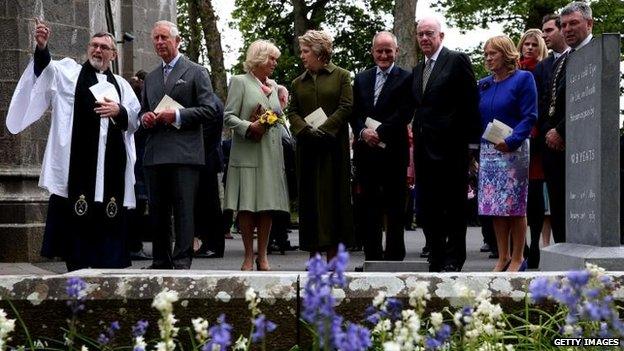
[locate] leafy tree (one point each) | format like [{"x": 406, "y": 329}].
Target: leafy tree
[
  {"x": 520, "y": 15},
  {"x": 352, "y": 23}
]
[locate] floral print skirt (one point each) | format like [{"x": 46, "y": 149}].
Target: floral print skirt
[{"x": 503, "y": 181}]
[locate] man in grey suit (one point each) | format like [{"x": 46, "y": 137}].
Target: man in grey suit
[{"x": 174, "y": 149}]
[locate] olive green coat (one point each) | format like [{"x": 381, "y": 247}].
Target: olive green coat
[{"x": 323, "y": 165}]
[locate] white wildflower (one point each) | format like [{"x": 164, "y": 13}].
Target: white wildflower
[
  {"x": 488, "y": 329},
  {"x": 379, "y": 300},
  {"x": 200, "y": 326},
  {"x": 240, "y": 344},
  {"x": 84, "y": 348},
  {"x": 420, "y": 291},
  {"x": 568, "y": 329},
  {"x": 391, "y": 346},
  {"x": 509, "y": 348},
  {"x": 139, "y": 343},
  {"x": 6, "y": 327},
  {"x": 164, "y": 300},
  {"x": 436, "y": 320},
  {"x": 534, "y": 328}
]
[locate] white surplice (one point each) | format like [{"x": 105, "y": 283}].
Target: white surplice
[{"x": 55, "y": 87}]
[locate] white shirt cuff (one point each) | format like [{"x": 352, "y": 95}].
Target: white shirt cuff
[{"x": 177, "y": 122}]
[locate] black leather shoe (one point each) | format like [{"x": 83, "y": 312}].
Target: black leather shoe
[
  {"x": 493, "y": 255},
  {"x": 359, "y": 269},
  {"x": 140, "y": 256},
  {"x": 485, "y": 248}
]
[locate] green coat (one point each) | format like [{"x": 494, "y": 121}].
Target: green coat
[
  {"x": 256, "y": 178},
  {"x": 323, "y": 165}
]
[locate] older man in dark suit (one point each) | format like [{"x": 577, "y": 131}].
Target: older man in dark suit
[
  {"x": 576, "y": 26},
  {"x": 174, "y": 149},
  {"x": 381, "y": 113},
  {"x": 446, "y": 120}
]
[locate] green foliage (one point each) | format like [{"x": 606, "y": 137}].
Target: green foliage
[{"x": 353, "y": 24}]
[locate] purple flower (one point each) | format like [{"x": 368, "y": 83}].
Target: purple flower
[
  {"x": 219, "y": 334},
  {"x": 76, "y": 291},
  {"x": 316, "y": 267},
  {"x": 139, "y": 328},
  {"x": 109, "y": 333},
  {"x": 578, "y": 279},
  {"x": 261, "y": 327},
  {"x": 356, "y": 338},
  {"x": 540, "y": 289},
  {"x": 338, "y": 265},
  {"x": 440, "y": 337},
  {"x": 394, "y": 308}
]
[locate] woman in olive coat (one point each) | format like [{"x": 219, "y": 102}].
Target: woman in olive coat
[{"x": 323, "y": 163}]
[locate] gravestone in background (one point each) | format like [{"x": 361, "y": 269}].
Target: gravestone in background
[{"x": 592, "y": 160}]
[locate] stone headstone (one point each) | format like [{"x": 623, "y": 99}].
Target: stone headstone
[{"x": 592, "y": 160}]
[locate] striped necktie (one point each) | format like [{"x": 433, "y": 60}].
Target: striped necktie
[
  {"x": 166, "y": 70},
  {"x": 379, "y": 83},
  {"x": 427, "y": 73}
]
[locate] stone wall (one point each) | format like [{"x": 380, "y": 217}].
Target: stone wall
[
  {"x": 127, "y": 296},
  {"x": 22, "y": 203}
]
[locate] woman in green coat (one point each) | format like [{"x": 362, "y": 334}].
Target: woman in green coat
[
  {"x": 256, "y": 183},
  {"x": 323, "y": 162}
]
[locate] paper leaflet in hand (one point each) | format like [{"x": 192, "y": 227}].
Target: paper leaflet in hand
[
  {"x": 374, "y": 124},
  {"x": 104, "y": 89},
  {"x": 316, "y": 118},
  {"x": 497, "y": 131},
  {"x": 167, "y": 103}
]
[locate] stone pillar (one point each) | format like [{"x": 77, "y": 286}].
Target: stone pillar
[
  {"x": 23, "y": 205},
  {"x": 138, "y": 17}
]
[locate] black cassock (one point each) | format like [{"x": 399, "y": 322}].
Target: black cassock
[{"x": 83, "y": 232}]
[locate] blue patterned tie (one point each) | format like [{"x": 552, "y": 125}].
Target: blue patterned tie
[
  {"x": 166, "y": 72},
  {"x": 379, "y": 83}
]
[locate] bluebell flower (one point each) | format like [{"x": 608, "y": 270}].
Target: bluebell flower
[
  {"x": 316, "y": 267},
  {"x": 356, "y": 338},
  {"x": 394, "y": 308},
  {"x": 539, "y": 289},
  {"x": 261, "y": 327},
  {"x": 371, "y": 315},
  {"x": 103, "y": 339},
  {"x": 219, "y": 334},
  {"x": 76, "y": 289},
  {"x": 338, "y": 265},
  {"x": 578, "y": 279},
  {"x": 604, "y": 330},
  {"x": 109, "y": 333},
  {"x": 440, "y": 337},
  {"x": 140, "y": 328}
]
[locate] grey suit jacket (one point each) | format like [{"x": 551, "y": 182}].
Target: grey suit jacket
[{"x": 188, "y": 84}]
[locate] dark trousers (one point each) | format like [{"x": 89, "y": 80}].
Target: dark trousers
[
  {"x": 554, "y": 171},
  {"x": 172, "y": 190},
  {"x": 208, "y": 215},
  {"x": 138, "y": 225},
  {"x": 487, "y": 231},
  {"x": 383, "y": 193},
  {"x": 535, "y": 219},
  {"x": 444, "y": 185}
]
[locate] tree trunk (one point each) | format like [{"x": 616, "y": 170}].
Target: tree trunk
[
  {"x": 405, "y": 31},
  {"x": 193, "y": 45},
  {"x": 212, "y": 37},
  {"x": 301, "y": 22}
]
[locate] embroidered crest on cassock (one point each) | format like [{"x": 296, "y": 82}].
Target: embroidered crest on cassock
[
  {"x": 111, "y": 208},
  {"x": 81, "y": 206}
]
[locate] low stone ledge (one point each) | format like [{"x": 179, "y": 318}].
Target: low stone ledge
[{"x": 126, "y": 295}]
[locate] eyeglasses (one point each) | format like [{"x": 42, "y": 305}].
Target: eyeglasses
[
  {"x": 102, "y": 47},
  {"x": 428, "y": 34}
]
